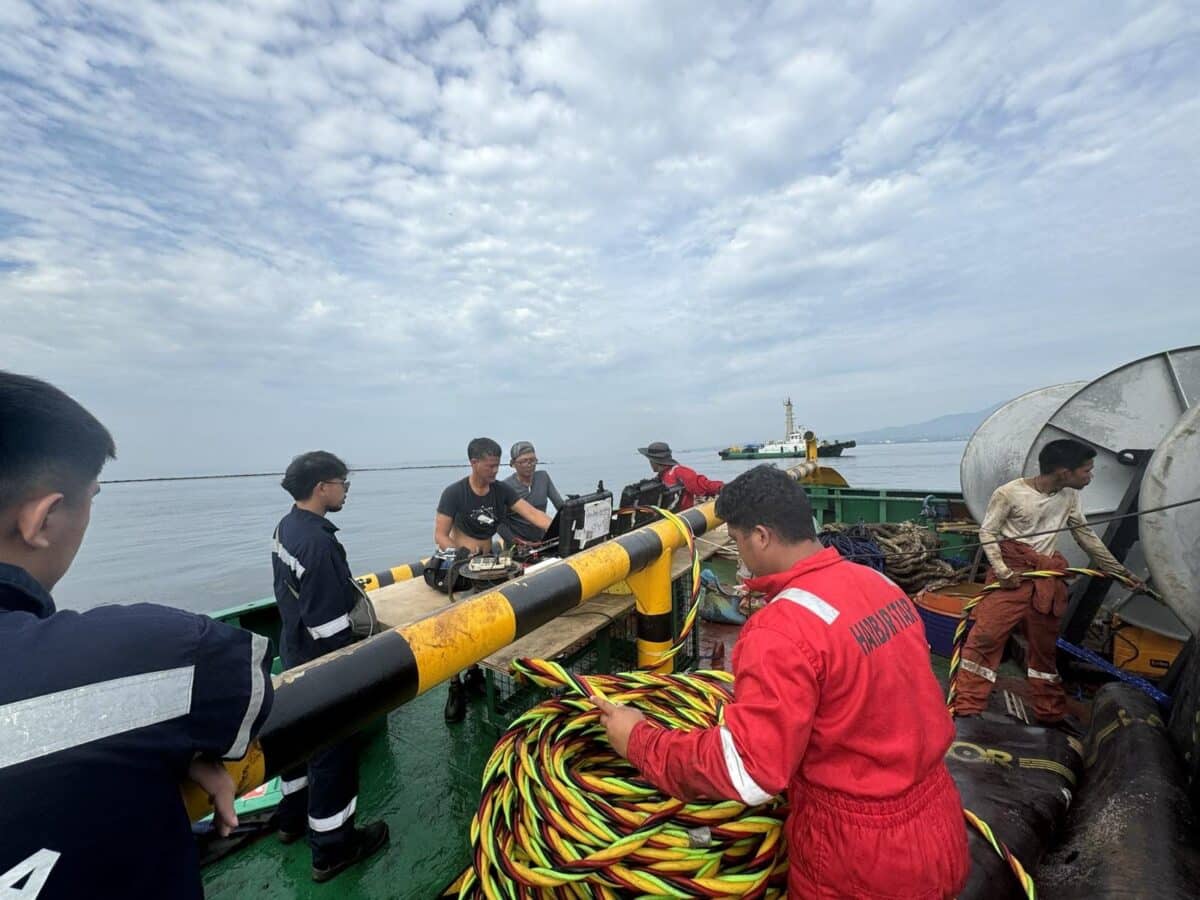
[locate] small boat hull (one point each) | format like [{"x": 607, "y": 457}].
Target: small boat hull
[{"x": 824, "y": 451}]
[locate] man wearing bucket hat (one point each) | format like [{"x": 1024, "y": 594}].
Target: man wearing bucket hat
[
  {"x": 532, "y": 485},
  {"x": 671, "y": 473}
]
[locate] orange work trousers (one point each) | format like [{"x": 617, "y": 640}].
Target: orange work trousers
[{"x": 996, "y": 617}]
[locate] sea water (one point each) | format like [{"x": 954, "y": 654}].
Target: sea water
[{"x": 205, "y": 545}]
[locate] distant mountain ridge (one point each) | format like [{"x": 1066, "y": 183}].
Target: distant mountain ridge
[{"x": 953, "y": 427}]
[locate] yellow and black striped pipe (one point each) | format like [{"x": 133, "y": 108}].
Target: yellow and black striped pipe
[
  {"x": 652, "y": 590},
  {"x": 324, "y": 701},
  {"x": 406, "y": 572}
]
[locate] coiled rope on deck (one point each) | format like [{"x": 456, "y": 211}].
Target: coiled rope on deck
[
  {"x": 907, "y": 551},
  {"x": 855, "y": 542},
  {"x": 562, "y": 815}
]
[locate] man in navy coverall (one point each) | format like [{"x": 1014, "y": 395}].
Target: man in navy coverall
[
  {"x": 315, "y": 592},
  {"x": 103, "y": 713}
]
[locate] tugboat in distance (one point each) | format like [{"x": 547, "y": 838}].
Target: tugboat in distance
[{"x": 794, "y": 444}]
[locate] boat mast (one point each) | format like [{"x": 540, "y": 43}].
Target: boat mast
[{"x": 790, "y": 423}]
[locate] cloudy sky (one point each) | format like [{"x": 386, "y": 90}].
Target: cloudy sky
[{"x": 240, "y": 231}]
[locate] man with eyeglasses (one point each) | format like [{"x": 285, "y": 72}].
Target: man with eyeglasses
[
  {"x": 315, "y": 592},
  {"x": 532, "y": 485}
]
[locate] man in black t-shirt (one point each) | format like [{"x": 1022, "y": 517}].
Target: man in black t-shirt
[
  {"x": 471, "y": 510},
  {"x": 468, "y": 514}
]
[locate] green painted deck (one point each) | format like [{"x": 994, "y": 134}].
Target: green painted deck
[
  {"x": 419, "y": 775},
  {"x": 422, "y": 778}
]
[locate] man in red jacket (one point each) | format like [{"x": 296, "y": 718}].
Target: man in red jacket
[
  {"x": 672, "y": 473},
  {"x": 834, "y": 700}
]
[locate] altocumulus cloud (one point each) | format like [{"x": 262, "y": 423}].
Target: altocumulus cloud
[{"x": 241, "y": 231}]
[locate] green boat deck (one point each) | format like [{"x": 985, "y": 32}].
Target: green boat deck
[
  {"x": 418, "y": 775},
  {"x": 422, "y": 776}
]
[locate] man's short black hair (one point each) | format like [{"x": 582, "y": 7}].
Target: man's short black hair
[
  {"x": 482, "y": 448},
  {"x": 308, "y": 470},
  {"x": 767, "y": 496},
  {"x": 1064, "y": 454},
  {"x": 47, "y": 441}
]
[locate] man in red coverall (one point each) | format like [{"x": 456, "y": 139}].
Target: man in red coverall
[
  {"x": 834, "y": 700},
  {"x": 1019, "y": 533},
  {"x": 672, "y": 473}
]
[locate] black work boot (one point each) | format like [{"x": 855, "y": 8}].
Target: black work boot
[
  {"x": 456, "y": 702},
  {"x": 366, "y": 841},
  {"x": 290, "y": 818},
  {"x": 474, "y": 681}
]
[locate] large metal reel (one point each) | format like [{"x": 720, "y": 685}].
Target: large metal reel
[
  {"x": 1130, "y": 408},
  {"x": 996, "y": 452},
  {"x": 1171, "y": 539}
]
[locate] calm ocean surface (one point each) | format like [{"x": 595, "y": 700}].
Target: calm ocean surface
[{"x": 205, "y": 545}]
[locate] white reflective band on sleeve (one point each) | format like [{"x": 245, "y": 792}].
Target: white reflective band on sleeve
[
  {"x": 330, "y": 628},
  {"x": 291, "y": 787},
  {"x": 337, "y": 820},
  {"x": 48, "y": 724},
  {"x": 976, "y": 669},
  {"x": 811, "y": 602},
  {"x": 1052, "y": 677},
  {"x": 747, "y": 787},
  {"x": 258, "y": 649},
  {"x": 286, "y": 558}
]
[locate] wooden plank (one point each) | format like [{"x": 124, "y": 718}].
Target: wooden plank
[
  {"x": 407, "y": 601},
  {"x": 567, "y": 630}
]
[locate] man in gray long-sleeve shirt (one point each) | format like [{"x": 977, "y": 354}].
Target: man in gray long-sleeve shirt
[
  {"x": 1020, "y": 534},
  {"x": 531, "y": 485}
]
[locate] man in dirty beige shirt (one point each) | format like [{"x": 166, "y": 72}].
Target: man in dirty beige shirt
[{"x": 1020, "y": 534}]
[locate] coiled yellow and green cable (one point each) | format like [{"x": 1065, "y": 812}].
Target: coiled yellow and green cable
[{"x": 562, "y": 815}]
